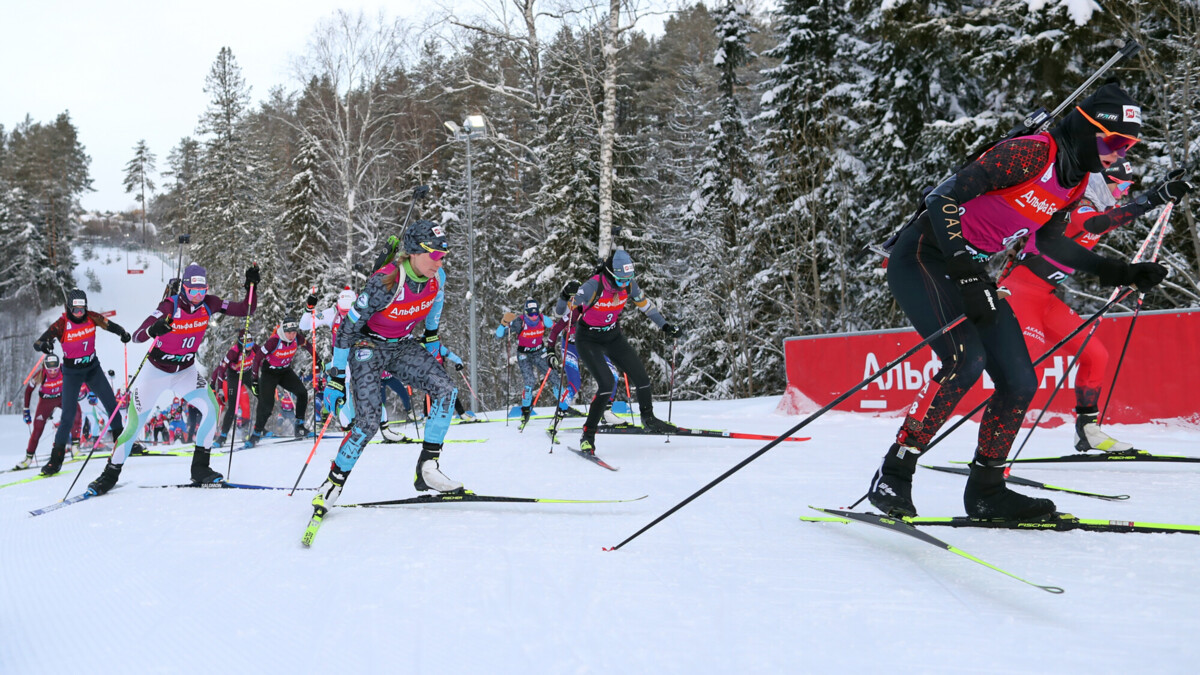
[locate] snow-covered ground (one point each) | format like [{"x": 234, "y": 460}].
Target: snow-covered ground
[{"x": 176, "y": 580}]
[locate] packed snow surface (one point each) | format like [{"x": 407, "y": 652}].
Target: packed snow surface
[{"x": 195, "y": 580}]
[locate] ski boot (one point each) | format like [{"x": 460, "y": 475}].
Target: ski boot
[
  {"x": 220, "y": 442},
  {"x": 106, "y": 480},
  {"x": 891, "y": 488},
  {"x": 587, "y": 442},
  {"x": 525, "y": 412},
  {"x": 987, "y": 496},
  {"x": 330, "y": 490},
  {"x": 58, "y": 452},
  {"x": 429, "y": 474},
  {"x": 24, "y": 464},
  {"x": 137, "y": 449},
  {"x": 654, "y": 425},
  {"x": 613, "y": 419},
  {"x": 468, "y": 416},
  {"x": 1089, "y": 436},
  {"x": 302, "y": 431},
  {"x": 201, "y": 473},
  {"x": 252, "y": 441}
]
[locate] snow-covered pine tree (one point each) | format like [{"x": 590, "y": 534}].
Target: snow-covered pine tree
[{"x": 137, "y": 178}]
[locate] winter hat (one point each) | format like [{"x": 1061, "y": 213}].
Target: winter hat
[
  {"x": 620, "y": 265},
  {"x": 345, "y": 300},
  {"x": 195, "y": 276},
  {"x": 1121, "y": 172},
  {"x": 51, "y": 361},
  {"x": 1113, "y": 111},
  {"x": 531, "y": 306},
  {"x": 289, "y": 324},
  {"x": 76, "y": 301},
  {"x": 424, "y": 236}
]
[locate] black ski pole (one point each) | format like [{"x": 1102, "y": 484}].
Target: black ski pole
[
  {"x": 803, "y": 423},
  {"x": 562, "y": 390},
  {"x": 237, "y": 393},
  {"x": 508, "y": 376},
  {"x": 671, "y": 390},
  {"x": 419, "y": 194}
]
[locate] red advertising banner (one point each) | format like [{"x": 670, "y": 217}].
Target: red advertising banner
[
  {"x": 135, "y": 271},
  {"x": 1159, "y": 378},
  {"x": 111, "y": 312}
]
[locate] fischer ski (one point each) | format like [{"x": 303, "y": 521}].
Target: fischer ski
[
  {"x": 904, "y": 527},
  {"x": 468, "y": 496},
  {"x": 39, "y": 476},
  {"x": 1061, "y": 522},
  {"x": 1016, "y": 480},
  {"x": 706, "y": 433},
  {"x": 1120, "y": 456},
  {"x": 222, "y": 484},
  {"x": 314, "y": 524},
  {"x": 591, "y": 457}
]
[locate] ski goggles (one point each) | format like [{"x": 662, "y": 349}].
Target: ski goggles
[
  {"x": 1120, "y": 187},
  {"x": 195, "y": 295},
  {"x": 1111, "y": 142},
  {"x": 434, "y": 253}
]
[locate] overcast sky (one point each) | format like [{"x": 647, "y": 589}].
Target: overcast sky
[{"x": 135, "y": 69}]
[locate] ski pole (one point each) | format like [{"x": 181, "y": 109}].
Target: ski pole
[
  {"x": 472, "y": 390},
  {"x": 562, "y": 390},
  {"x": 115, "y": 411},
  {"x": 314, "y": 357},
  {"x": 1162, "y": 218},
  {"x": 629, "y": 399},
  {"x": 126, "y": 347},
  {"x": 35, "y": 367},
  {"x": 539, "y": 391},
  {"x": 328, "y": 419},
  {"x": 241, "y": 374},
  {"x": 508, "y": 375},
  {"x": 803, "y": 423},
  {"x": 671, "y": 391}
]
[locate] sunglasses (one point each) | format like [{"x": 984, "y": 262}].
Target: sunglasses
[
  {"x": 434, "y": 253},
  {"x": 1111, "y": 142}
]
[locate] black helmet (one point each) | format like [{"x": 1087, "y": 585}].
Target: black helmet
[
  {"x": 51, "y": 361},
  {"x": 77, "y": 303},
  {"x": 424, "y": 236}
]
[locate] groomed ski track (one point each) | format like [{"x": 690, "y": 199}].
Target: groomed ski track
[{"x": 192, "y": 581}]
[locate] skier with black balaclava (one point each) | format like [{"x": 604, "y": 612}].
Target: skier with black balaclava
[
  {"x": 76, "y": 331},
  {"x": 1022, "y": 186}
]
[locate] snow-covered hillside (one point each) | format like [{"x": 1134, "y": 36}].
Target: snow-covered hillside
[{"x": 149, "y": 579}]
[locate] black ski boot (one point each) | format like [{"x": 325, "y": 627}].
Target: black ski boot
[
  {"x": 252, "y": 441},
  {"x": 301, "y": 430},
  {"x": 987, "y": 496},
  {"x": 429, "y": 474},
  {"x": 220, "y": 441},
  {"x": 654, "y": 425},
  {"x": 106, "y": 481},
  {"x": 58, "y": 453},
  {"x": 201, "y": 472},
  {"x": 891, "y": 488},
  {"x": 587, "y": 442},
  {"x": 137, "y": 449}
]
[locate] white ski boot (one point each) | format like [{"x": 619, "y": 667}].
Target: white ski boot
[{"x": 1089, "y": 436}]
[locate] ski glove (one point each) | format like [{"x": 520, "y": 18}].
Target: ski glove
[
  {"x": 1143, "y": 276},
  {"x": 553, "y": 359},
  {"x": 92, "y": 398},
  {"x": 310, "y": 302},
  {"x": 160, "y": 327},
  {"x": 1171, "y": 190},
  {"x": 981, "y": 300},
  {"x": 28, "y": 419},
  {"x": 569, "y": 290},
  {"x": 252, "y": 276},
  {"x": 458, "y": 366},
  {"x": 335, "y": 389},
  {"x": 45, "y": 347},
  {"x": 672, "y": 330},
  {"x": 253, "y": 384}
]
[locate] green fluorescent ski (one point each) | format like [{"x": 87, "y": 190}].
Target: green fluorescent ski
[
  {"x": 1065, "y": 522},
  {"x": 1017, "y": 480},
  {"x": 311, "y": 531},
  {"x": 904, "y": 527},
  {"x": 33, "y": 478}
]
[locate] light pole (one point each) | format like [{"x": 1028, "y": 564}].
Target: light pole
[{"x": 473, "y": 127}]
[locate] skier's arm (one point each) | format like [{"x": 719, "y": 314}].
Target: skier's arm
[
  {"x": 260, "y": 353},
  {"x": 1007, "y": 164},
  {"x": 45, "y": 343},
  {"x": 164, "y": 309},
  {"x": 1052, "y": 241},
  {"x": 215, "y": 304},
  {"x": 643, "y": 303},
  {"x": 374, "y": 298},
  {"x": 1103, "y": 223},
  {"x": 34, "y": 383},
  {"x": 434, "y": 318}
]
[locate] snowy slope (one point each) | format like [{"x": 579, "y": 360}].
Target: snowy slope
[{"x": 175, "y": 580}]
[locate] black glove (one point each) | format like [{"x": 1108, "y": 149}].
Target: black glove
[
  {"x": 553, "y": 359},
  {"x": 311, "y": 301},
  {"x": 1143, "y": 276},
  {"x": 121, "y": 332},
  {"x": 45, "y": 347},
  {"x": 28, "y": 419},
  {"x": 569, "y": 290},
  {"x": 459, "y": 366},
  {"x": 252, "y": 276},
  {"x": 672, "y": 330},
  {"x": 160, "y": 327},
  {"x": 1171, "y": 190},
  {"x": 980, "y": 299}
]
